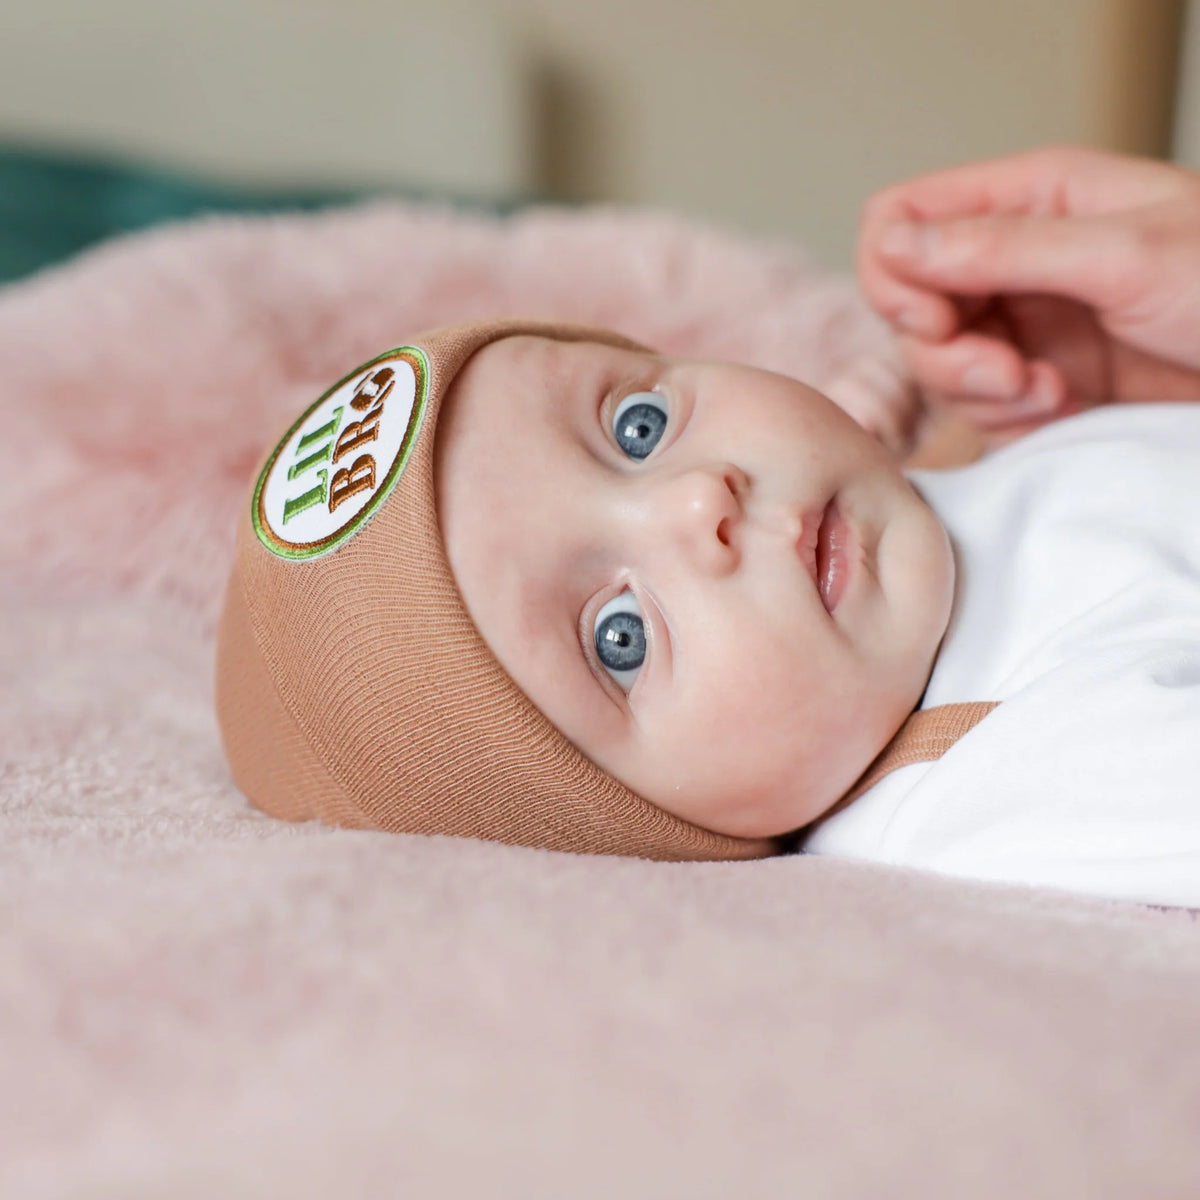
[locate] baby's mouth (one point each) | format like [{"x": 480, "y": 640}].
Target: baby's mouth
[
  {"x": 832, "y": 559},
  {"x": 822, "y": 546}
]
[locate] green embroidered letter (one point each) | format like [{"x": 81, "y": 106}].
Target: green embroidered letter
[
  {"x": 312, "y": 496},
  {"x": 321, "y": 455},
  {"x": 327, "y": 430}
]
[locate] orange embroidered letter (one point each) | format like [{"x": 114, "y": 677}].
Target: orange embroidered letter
[
  {"x": 357, "y": 432},
  {"x": 374, "y": 390},
  {"x": 349, "y": 481}
]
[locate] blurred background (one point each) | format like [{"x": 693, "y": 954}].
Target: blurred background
[{"x": 777, "y": 117}]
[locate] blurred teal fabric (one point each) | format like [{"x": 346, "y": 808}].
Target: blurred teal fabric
[{"x": 53, "y": 205}]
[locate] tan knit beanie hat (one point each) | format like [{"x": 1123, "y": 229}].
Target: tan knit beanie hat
[{"x": 351, "y": 683}]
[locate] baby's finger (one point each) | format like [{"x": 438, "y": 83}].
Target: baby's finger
[
  {"x": 877, "y": 392},
  {"x": 1045, "y": 398},
  {"x": 970, "y": 365}
]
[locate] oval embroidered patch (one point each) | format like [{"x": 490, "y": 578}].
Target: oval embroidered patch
[{"x": 339, "y": 462}]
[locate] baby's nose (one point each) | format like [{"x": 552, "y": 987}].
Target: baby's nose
[{"x": 701, "y": 511}]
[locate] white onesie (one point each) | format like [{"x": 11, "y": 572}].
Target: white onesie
[{"x": 1077, "y": 605}]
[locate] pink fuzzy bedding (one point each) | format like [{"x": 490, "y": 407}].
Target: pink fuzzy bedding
[{"x": 198, "y": 1001}]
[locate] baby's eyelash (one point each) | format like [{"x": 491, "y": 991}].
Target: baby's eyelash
[{"x": 616, "y": 388}]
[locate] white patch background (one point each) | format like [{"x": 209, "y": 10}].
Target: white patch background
[{"x": 316, "y": 522}]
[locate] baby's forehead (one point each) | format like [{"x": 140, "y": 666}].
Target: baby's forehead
[
  {"x": 514, "y": 400},
  {"x": 523, "y": 396},
  {"x": 525, "y": 366}
]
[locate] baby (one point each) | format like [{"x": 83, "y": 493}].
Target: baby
[{"x": 539, "y": 584}]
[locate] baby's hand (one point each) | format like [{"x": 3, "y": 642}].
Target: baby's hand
[
  {"x": 878, "y": 392},
  {"x": 881, "y": 395}
]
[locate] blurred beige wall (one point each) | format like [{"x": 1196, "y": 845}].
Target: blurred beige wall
[
  {"x": 1186, "y": 143},
  {"x": 778, "y": 116},
  {"x": 321, "y": 91},
  {"x": 781, "y": 115}
]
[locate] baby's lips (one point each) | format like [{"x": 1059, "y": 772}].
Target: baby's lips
[
  {"x": 833, "y": 540},
  {"x": 806, "y": 543}
]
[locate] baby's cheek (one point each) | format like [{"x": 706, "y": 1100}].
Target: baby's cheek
[
  {"x": 753, "y": 742},
  {"x": 767, "y": 731}
]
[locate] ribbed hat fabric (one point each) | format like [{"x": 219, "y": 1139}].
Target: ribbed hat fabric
[{"x": 351, "y": 683}]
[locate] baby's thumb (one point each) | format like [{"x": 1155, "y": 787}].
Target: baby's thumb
[{"x": 1080, "y": 257}]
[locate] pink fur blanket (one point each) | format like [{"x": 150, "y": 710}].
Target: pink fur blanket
[{"x": 196, "y": 1000}]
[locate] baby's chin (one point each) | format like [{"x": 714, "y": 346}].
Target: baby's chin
[
  {"x": 803, "y": 789},
  {"x": 739, "y": 819},
  {"x": 744, "y": 807}
]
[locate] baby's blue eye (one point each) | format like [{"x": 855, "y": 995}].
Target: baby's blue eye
[
  {"x": 639, "y": 422},
  {"x": 620, "y": 639}
]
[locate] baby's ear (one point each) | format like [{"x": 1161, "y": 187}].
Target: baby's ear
[{"x": 877, "y": 391}]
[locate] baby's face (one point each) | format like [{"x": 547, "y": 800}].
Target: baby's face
[{"x": 714, "y": 583}]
